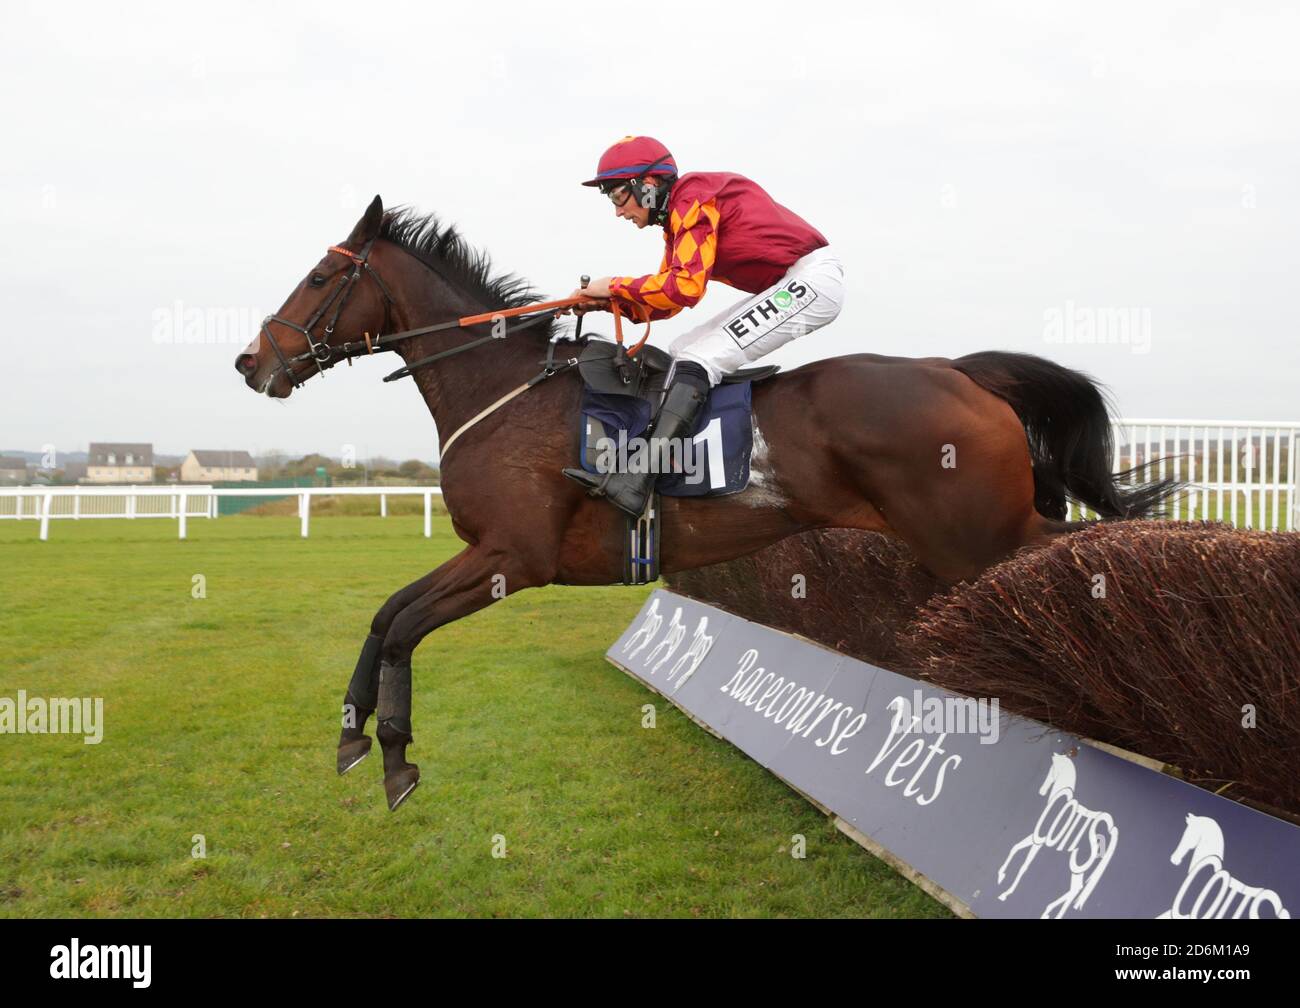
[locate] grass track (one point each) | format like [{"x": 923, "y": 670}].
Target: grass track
[{"x": 221, "y": 718}]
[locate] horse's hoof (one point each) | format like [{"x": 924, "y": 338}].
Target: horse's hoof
[
  {"x": 399, "y": 785},
  {"x": 353, "y": 752}
]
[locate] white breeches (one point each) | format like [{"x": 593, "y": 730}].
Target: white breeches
[{"x": 808, "y": 297}]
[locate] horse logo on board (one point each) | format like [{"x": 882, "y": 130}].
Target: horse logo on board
[
  {"x": 689, "y": 660},
  {"x": 1066, "y": 827},
  {"x": 1216, "y": 890},
  {"x": 645, "y": 633}
]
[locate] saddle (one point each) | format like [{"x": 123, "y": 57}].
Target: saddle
[
  {"x": 620, "y": 396},
  {"x": 606, "y": 368}
]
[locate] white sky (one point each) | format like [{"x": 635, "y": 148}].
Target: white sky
[{"x": 977, "y": 166}]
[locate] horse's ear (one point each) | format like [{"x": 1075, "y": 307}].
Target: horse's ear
[{"x": 368, "y": 226}]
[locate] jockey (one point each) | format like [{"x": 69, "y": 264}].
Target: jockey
[{"x": 717, "y": 226}]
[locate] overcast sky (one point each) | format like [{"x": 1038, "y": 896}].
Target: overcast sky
[{"x": 993, "y": 176}]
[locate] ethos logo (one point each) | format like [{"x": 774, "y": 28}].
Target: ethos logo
[{"x": 757, "y": 320}]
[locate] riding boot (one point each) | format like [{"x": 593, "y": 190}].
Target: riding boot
[{"x": 675, "y": 420}]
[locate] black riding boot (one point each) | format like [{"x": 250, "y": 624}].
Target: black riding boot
[{"x": 676, "y": 419}]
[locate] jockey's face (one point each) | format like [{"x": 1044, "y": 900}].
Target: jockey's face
[{"x": 631, "y": 208}]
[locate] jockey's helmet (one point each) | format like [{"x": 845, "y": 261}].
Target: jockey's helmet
[{"x": 629, "y": 162}]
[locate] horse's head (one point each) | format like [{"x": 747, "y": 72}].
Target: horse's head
[{"x": 340, "y": 300}]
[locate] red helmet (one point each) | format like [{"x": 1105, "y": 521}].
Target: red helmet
[{"x": 633, "y": 157}]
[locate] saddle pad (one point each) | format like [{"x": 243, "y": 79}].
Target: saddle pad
[{"x": 722, "y": 440}]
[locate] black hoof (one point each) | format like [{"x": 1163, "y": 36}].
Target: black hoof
[
  {"x": 352, "y": 752},
  {"x": 398, "y": 786}
]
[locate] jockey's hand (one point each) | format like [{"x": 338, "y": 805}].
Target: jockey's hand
[
  {"x": 582, "y": 309},
  {"x": 596, "y": 289}
]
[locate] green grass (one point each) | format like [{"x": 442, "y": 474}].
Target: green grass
[{"x": 221, "y": 719}]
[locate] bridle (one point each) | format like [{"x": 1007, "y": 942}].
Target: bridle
[{"x": 322, "y": 353}]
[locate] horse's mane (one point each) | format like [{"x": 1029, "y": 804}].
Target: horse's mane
[{"x": 442, "y": 248}]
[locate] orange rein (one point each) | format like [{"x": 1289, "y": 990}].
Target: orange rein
[
  {"x": 470, "y": 320},
  {"x": 491, "y": 316},
  {"x": 618, "y": 327}
]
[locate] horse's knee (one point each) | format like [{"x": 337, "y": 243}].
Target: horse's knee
[
  {"x": 392, "y": 608},
  {"x": 383, "y": 619}
]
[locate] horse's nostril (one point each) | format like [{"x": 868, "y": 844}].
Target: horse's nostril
[{"x": 246, "y": 364}]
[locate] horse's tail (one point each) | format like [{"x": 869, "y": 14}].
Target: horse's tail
[{"x": 1067, "y": 421}]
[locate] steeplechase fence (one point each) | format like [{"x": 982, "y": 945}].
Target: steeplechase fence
[{"x": 993, "y": 814}]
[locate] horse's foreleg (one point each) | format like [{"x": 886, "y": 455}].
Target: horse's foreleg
[
  {"x": 358, "y": 704},
  {"x": 363, "y": 690},
  {"x": 470, "y": 581}
]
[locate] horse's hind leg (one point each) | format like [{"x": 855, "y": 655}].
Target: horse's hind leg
[
  {"x": 965, "y": 495},
  {"x": 363, "y": 691}
]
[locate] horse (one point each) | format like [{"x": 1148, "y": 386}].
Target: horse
[{"x": 966, "y": 460}]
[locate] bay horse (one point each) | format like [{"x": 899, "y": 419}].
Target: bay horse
[{"x": 965, "y": 460}]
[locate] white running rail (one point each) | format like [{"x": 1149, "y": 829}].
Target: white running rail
[
  {"x": 46, "y": 503},
  {"x": 1241, "y": 471}
]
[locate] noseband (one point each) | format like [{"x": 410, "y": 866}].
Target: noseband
[{"x": 321, "y": 353}]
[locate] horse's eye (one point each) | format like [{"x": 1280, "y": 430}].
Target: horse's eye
[{"x": 317, "y": 280}]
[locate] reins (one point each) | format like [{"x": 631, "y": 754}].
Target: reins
[
  {"x": 322, "y": 352},
  {"x": 540, "y": 309}
]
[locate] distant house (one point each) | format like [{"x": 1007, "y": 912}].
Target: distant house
[
  {"x": 12, "y": 469},
  {"x": 204, "y": 466},
  {"x": 108, "y": 462}
]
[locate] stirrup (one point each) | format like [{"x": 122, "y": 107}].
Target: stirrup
[
  {"x": 601, "y": 489},
  {"x": 588, "y": 480}
]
